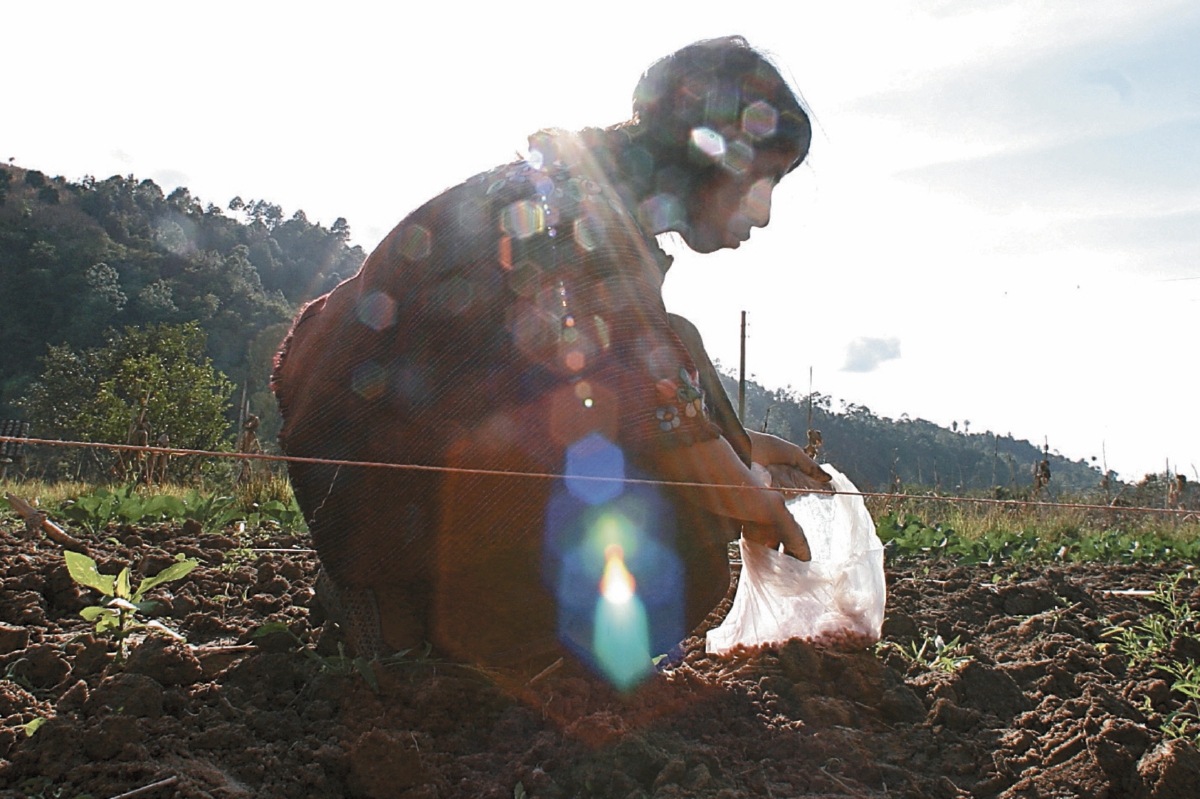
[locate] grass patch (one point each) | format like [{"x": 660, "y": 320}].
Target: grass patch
[
  {"x": 266, "y": 499},
  {"x": 985, "y": 533}
]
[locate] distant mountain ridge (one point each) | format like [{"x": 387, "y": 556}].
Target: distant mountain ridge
[{"x": 876, "y": 452}]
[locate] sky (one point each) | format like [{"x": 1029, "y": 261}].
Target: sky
[{"x": 999, "y": 220}]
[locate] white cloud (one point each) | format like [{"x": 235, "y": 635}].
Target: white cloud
[{"x": 865, "y": 354}]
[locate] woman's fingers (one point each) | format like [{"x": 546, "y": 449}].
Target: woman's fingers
[
  {"x": 812, "y": 468},
  {"x": 764, "y": 534},
  {"x": 791, "y": 479},
  {"x": 769, "y": 449},
  {"x": 786, "y": 532},
  {"x": 795, "y": 543}
]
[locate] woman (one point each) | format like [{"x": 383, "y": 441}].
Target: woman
[{"x": 515, "y": 324}]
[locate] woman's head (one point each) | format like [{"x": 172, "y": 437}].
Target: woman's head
[
  {"x": 724, "y": 86},
  {"x": 714, "y": 120}
]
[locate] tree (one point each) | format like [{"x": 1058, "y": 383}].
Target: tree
[{"x": 96, "y": 394}]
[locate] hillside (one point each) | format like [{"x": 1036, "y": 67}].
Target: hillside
[
  {"x": 79, "y": 258},
  {"x": 876, "y": 452}
]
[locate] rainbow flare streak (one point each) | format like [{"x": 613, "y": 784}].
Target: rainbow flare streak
[{"x": 621, "y": 631}]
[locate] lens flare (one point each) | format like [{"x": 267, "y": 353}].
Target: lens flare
[
  {"x": 376, "y": 310},
  {"x": 522, "y": 219},
  {"x": 415, "y": 243},
  {"x": 661, "y": 212},
  {"x": 617, "y": 584},
  {"x": 709, "y": 142},
  {"x": 369, "y": 380},
  {"x": 738, "y": 157},
  {"x": 621, "y": 635},
  {"x": 756, "y": 205},
  {"x": 595, "y": 456},
  {"x": 760, "y": 119},
  {"x": 615, "y": 569}
]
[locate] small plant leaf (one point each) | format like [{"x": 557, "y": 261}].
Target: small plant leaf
[
  {"x": 83, "y": 571},
  {"x": 94, "y": 612},
  {"x": 368, "y": 674},
  {"x": 122, "y": 588},
  {"x": 173, "y": 572},
  {"x": 33, "y": 726},
  {"x": 270, "y": 628},
  {"x": 108, "y": 620}
]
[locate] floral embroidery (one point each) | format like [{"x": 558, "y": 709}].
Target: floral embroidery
[
  {"x": 689, "y": 394},
  {"x": 668, "y": 418},
  {"x": 685, "y": 394}
]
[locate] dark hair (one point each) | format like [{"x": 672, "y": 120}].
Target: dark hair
[{"x": 716, "y": 86}]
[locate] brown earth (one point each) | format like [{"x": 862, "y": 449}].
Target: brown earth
[{"x": 1043, "y": 708}]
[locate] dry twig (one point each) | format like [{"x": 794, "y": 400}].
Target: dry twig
[
  {"x": 147, "y": 788},
  {"x": 36, "y": 519},
  {"x": 553, "y": 667}
]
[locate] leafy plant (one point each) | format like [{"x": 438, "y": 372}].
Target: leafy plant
[
  {"x": 100, "y": 507},
  {"x": 159, "y": 371},
  {"x": 119, "y": 615},
  {"x": 214, "y": 510},
  {"x": 1146, "y": 639},
  {"x": 936, "y": 654},
  {"x": 342, "y": 664},
  {"x": 1184, "y": 722},
  {"x": 96, "y": 510},
  {"x": 345, "y": 665},
  {"x": 1003, "y": 537}
]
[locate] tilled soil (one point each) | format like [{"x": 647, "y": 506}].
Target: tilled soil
[{"x": 1044, "y": 707}]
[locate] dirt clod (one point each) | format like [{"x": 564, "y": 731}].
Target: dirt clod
[
  {"x": 384, "y": 765},
  {"x": 167, "y": 662}
]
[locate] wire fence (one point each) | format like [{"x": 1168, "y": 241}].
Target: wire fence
[{"x": 170, "y": 452}]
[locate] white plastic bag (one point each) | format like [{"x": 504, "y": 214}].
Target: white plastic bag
[{"x": 837, "y": 596}]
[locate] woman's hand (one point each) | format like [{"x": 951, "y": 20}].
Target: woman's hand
[
  {"x": 791, "y": 470},
  {"x": 783, "y": 530},
  {"x": 733, "y": 492}
]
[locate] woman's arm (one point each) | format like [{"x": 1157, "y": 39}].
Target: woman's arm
[{"x": 732, "y": 492}]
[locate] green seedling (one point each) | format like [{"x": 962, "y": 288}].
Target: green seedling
[
  {"x": 1151, "y": 636},
  {"x": 937, "y": 654},
  {"x": 345, "y": 665},
  {"x": 337, "y": 665},
  {"x": 235, "y": 558},
  {"x": 120, "y": 614},
  {"x": 1185, "y": 722}
]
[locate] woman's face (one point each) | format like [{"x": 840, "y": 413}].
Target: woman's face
[{"x": 722, "y": 211}]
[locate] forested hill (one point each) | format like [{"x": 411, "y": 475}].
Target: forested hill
[
  {"x": 874, "y": 451},
  {"x": 79, "y": 258}
]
